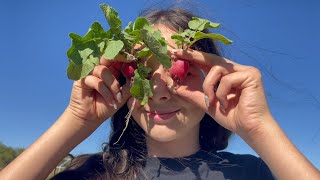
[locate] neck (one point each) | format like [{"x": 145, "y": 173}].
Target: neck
[{"x": 179, "y": 147}]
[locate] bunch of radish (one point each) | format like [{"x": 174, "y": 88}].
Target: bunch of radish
[{"x": 85, "y": 52}]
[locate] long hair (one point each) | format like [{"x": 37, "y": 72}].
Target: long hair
[{"x": 124, "y": 158}]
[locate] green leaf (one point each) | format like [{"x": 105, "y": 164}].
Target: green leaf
[
  {"x": 134, "y": 36},
  {"x": 214, "y": 25},
  {"x": 112, "y": 17},
  {"x": 141, "y": 88},
  {"x": 75, "y": 37},
  {"x": 95, "y": 33},
  {"x": 189, "y": 33},
  {"x": 128, "y": 28},
  {"x": 98, "y": 34},
  {"x": 157, "y": 47},
  {"x": 200, "y": 24},
  {"x": 144, "y": 53},
  {"x": 183, "y": 38},
  {"x": 85, "y": 51},
  {"x": 140, "y": 23},
  {"x": 197, "y": 24},
  {"x": 143, "y": 70},
  {"x": 178, "y": 37},
  {"x": 156, "y": 34},
  {"x": 113, "y": 49},
  {"x": 83, "y": 57},
  {"x": 186, "y": 40},
  {"x": 219, "y": 37}
]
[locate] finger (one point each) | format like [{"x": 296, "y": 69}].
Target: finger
[
  {"x": 125, "y": 94},
  {"x": 203, "y": 58},
  {"x": 227, "y": 84},
  {"x": 109, "y": 80},
  {"x": 115, "y": 68},
  {"x": 211, "y": 81},
  {"x": 97, "y": 84},
  {"x": 198, "y": 56},
  {"x": 125, "y": 91},
  {"x": 193, "y": 96},
  {"x": 119, "y": 58},
  {"x": 115, "y": 72},
  {"x": 198, "y": 98}
]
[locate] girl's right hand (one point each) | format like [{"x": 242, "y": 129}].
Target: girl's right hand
[{"x": 98, "y": 96}]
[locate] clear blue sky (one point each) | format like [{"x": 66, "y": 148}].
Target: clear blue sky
[{"x": 279, "y": 37}]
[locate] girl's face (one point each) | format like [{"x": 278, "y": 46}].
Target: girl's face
[{"x": 167, "y": 117}]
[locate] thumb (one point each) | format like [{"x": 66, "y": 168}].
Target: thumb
[
  {"x": 193, "y": 96},
  {"x": 199, "y": 99}
]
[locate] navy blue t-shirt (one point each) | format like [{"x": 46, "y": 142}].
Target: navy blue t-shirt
[
  {"x": 202, "y": 165},
  {"x": 208, "y": 165}
]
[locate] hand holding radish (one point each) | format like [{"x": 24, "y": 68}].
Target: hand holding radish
[
  {"x": 239, "y": 103},
  {"x": 99, "y": 95}
]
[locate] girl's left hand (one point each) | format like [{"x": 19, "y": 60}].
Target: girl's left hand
[{"x": 235, "y": 94}]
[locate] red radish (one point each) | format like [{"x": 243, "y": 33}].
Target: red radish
[
  {"x": 179, "y": 70},
  {"x": 115, "y": 69},
  {"x": 115, "y": 72},
  {"x": 128, "y": 69},
  {"x": 117, "y": 65}
]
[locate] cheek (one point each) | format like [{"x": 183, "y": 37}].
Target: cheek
[
  {"x": 195, "y": 83},
  {"x": 193, "y": 113}
]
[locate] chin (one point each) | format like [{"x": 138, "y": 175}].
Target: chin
[{"x": 161, "y": 133}]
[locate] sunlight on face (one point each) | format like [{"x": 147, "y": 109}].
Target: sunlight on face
[{"x": 167, "y": 117}]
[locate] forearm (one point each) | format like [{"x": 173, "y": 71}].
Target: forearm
[
  {"x": 37, "y": 161},
  {"x": 282, "y": 157}
]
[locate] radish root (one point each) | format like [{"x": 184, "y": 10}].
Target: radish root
[{"x": 127, "y": 120}]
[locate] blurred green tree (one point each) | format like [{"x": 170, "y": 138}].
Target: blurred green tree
[{"x": 8, "y": 154}]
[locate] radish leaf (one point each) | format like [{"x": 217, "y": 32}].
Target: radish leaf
[
  {"x": 200, "y": 24},
  {"x": 113, "y": 49},
  {"x": 83, "y": 57},
  {"x": 157, "y": 46},
  {"x": 219, "y": 37},
  {"x": 141, "y": 88}
]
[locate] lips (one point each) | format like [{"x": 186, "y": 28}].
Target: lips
[
  {"x": 162, "y": 116},
  {"x": 162, "y": 112}
]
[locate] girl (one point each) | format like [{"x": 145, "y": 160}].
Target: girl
[{"x": 179, "y": 133}]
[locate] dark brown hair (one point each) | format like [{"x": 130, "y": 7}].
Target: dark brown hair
[{"x": 126, "y": 158}]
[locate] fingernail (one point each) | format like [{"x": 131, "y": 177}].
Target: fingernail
[
  {"x": 173, "y": 51},
  {"x": 130, "y": 57},
  {"x": 206, "y": 100},
  {"x": 173, "y": 57},
  {"x": 119, "y": 97},
  {"x": 113, "y": 104},
  {"x": 222, "y": 107}
]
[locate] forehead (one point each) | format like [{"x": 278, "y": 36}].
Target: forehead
[{"x": 166, "y": 33}]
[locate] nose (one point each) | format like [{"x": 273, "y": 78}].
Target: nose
[{"x": 161, "y": 92}]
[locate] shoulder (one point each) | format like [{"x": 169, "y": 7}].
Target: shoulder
[
  {"x": 244, "y": 164},
  {"x": 209, "y": 165},
  {"x": 83, "y": 167},
  {"x": 241, "y": 159}
]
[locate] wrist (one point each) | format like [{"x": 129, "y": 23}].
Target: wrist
[
  {"x": 270, "y": 142},
  {"x": 71, "y": 115},
  {"x": 264, "y": 125}
]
